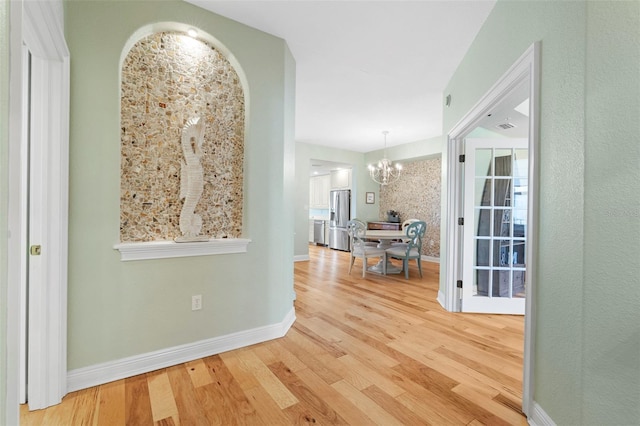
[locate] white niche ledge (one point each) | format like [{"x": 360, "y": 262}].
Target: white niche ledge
[{"x": 166, "y": 249}]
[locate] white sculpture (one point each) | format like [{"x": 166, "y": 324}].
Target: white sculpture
[{"x": 191, "y": 181}]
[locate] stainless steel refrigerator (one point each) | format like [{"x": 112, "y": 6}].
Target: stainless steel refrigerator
[{"x": 340, "y": 213}]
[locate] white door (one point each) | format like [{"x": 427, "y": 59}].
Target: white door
[
  {"x": 34, "y": 290},
  {"x": 24, "y": 207},
  {"x": 38, "y": 286},
  {"x": 39, "y": 208},
  {"x": 495, "y": 225}
]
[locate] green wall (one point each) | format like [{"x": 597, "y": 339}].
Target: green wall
[
  {"x": 409, "y": 151},
  {"x": 4, "y": 198},
  {"x": 289, "y": 169},
  {"x": 586, "y": 292},
  {"x": 611, "y": 293},
  {"x": 120, "y": 309}
]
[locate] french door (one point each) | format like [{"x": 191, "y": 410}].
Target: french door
[{"x": 495, "y": 225}]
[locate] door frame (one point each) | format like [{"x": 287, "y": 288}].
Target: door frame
[
  {"x": 528, "y": 65},
  {"x": 39, "y": 27}
]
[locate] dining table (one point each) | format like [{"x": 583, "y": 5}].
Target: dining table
[{"x": 385, "y": 237}]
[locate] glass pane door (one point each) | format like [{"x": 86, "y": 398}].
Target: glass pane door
[{"x": 494, "y": 269}]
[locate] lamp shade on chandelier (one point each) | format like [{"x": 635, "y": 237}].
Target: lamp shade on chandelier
[{"x": 385, "y": 172}]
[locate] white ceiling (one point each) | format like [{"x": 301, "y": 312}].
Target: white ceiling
[{"x": 366, "y": 66}]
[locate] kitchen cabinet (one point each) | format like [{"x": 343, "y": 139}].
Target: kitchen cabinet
[
  {"x": 319, "y": 188},
  {"x": 341, "y": 179}
]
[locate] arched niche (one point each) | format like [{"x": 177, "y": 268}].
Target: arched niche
[{"x": 168, "y": 78}]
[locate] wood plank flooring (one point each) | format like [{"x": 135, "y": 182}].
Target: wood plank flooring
[{"x": 378, "y": 350}]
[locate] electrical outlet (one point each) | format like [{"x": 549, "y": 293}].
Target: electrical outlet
[{"x": 196, "y": 302}]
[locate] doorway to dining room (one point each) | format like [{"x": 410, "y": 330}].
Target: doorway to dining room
[{"x": 483, "y": 177}]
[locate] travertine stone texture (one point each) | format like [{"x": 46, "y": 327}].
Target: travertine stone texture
[
  {"x": 416, "y": 195},
  {"x": 167, "y": 79}
]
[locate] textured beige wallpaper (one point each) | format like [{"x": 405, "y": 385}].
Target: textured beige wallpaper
[
  {"x": 416, "y": 195},
  {"x": 168, "y": 79}
]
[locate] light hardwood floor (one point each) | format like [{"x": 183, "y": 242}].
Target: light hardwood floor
[{"x": 363, "y": 351}]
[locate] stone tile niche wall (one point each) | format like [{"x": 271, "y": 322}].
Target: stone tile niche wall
[
  {"x": 416, "y": 195},
  {"x": 167, "y": 79}
]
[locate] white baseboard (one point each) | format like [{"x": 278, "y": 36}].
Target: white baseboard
[
  {"x": 301, "y": 258},
  {"x": 430, "y": 259},
  {"x": 539, "y": 417},
  {"x": 98, "y": 374},
  {"x": 441, "y": 299}
]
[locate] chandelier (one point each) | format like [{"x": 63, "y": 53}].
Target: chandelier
[{"x": 385, "y": 172}]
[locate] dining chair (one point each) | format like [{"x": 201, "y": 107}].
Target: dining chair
[
  {"x": 360, "y": 248},
  {"x": 414, "y": 232},
  {"x": 404, "y": 227},
  {"x": 364, "y": 225}
]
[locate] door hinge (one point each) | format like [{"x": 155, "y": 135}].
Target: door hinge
[
  {"x": 459, "y": 283},
  {"x": 461, "y": 158},
  {"x": 461, "y": 221}
]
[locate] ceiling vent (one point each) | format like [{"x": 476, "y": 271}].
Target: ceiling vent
[{"x": 505, "y": 126}]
